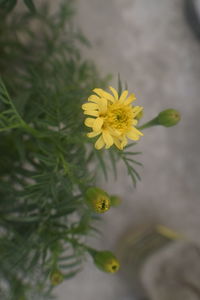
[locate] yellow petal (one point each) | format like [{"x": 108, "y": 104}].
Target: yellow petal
[
  {"x": 123, "y": 96},
  {"x": 93, "y": 134},
  {"x": 107, "y": 139},
  {"x": 97, "y": 124},
  {"x": 133, "y": 129},
  {"x": 124, "y": 142},
  {"x": 104, "y": 94},
  {"x": 102, "y": 105},
  {"x": 90, "y": 106},
  {"x": 98, "y": 92},
  {"x": 94, "y": 98},
  {"x": 130, "y": 99},
  {"x": 93, "y": 113},
  {"x": 117, "y": 143},
  {"x": 114, "y": 132},
  {"x": 134, "y": 122},
  {"x": 89, "y": 122},
  {"x": 134, "y": 134},
  {"x": 137, "y": 110},
  {"x": 99, "y": 143},
  {"x": 115, "y": 93}
]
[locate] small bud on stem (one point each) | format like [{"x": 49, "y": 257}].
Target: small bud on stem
[
  {"x": 105, "y": 260},
  {"x": 169, "y": 117}
]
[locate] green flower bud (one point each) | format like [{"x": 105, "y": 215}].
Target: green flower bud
[
  {"x": 98, "y": 200},
  {"x": 56, "y": 277},
  {"x": 169, "y": 117},
  {"x": 106, "y": 261},
  {"x": 115, "y": 200}
]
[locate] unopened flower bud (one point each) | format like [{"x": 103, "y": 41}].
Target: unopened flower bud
[
  {"x": 106, "y": 261},
  {"x": 97, "y": 199},
  {"x": 169, "y": 117},
  {"x": 56, "y": 277}
]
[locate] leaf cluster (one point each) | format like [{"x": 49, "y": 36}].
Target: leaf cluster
[
  {"x": 44, "y": 158},
  {"x": 7, "y": 6},
  {"x": 106, "y": 161},
  {"x": 45, "y": 155}
]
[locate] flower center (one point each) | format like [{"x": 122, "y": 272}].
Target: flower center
[
  {"x": 112, "y": 266},
  {"x": 119, "y": 117},
  {"x": 102, "y": 204}
]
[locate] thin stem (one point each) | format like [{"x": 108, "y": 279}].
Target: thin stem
[{"x": 151, "y": 123}]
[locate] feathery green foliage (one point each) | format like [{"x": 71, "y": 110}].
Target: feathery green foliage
[
  {"x": 45, "y": 165},
  {"x": 44, "y": 158},
  {"x": 7, "y": 5}
]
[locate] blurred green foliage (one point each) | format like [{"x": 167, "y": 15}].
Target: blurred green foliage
[
  {"x": 44, "y": 158},
  {"x": 7, "y": 6},
  {"x": 45, "y": 154}
]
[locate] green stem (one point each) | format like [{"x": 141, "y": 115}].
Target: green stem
[
  {"x": 74, "y": 242},
  {"x": 91, "y": 251},
  {"x": 30, "y": 219},
  {"x": 32, "y": 130},
  {"x": 151, "y": 123}
]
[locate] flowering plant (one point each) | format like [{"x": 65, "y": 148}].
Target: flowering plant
[{"x": 49, "y": 196}]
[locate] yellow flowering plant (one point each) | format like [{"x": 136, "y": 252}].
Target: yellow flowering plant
[{"x": 57, "y": 131}]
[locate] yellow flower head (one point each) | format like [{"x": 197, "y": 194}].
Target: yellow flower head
[{"x": 113, "y": 118}]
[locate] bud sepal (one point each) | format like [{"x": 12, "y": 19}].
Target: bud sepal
[
  {"x": 169, "y": 117},
  {"x": 115, "y": 201},
  {"x": 105, "y": 260}
]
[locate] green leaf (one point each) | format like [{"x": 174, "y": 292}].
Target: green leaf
[
  {"x": 7, "y": 5},
  {"x": 129, "y": 161},
  {"x": 134, "y": 161},
  {"x": 136, "y": 173},
  {"x": 119, "y": 85},
  {"x": 71, "y": 274},
  {"x": 30, "y": 5},
  {"x": 131, "y": 153},
  {"x": 99, "y": 156},
  {"x": 113, "y": 162},
  {"x": 70, "y": 265},
  {"x": 9, "y": 117},
  {"x": 130, "y": 145}
]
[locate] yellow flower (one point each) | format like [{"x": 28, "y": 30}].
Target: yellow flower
[{"x": 112, "y": 118}]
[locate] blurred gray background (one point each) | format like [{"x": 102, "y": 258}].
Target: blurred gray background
[{"x": 152, "y": 47}]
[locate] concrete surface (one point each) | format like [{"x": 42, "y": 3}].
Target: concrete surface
[
  {"x": 174, "y": 279},
  {"x": 152, "y": 47}
]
